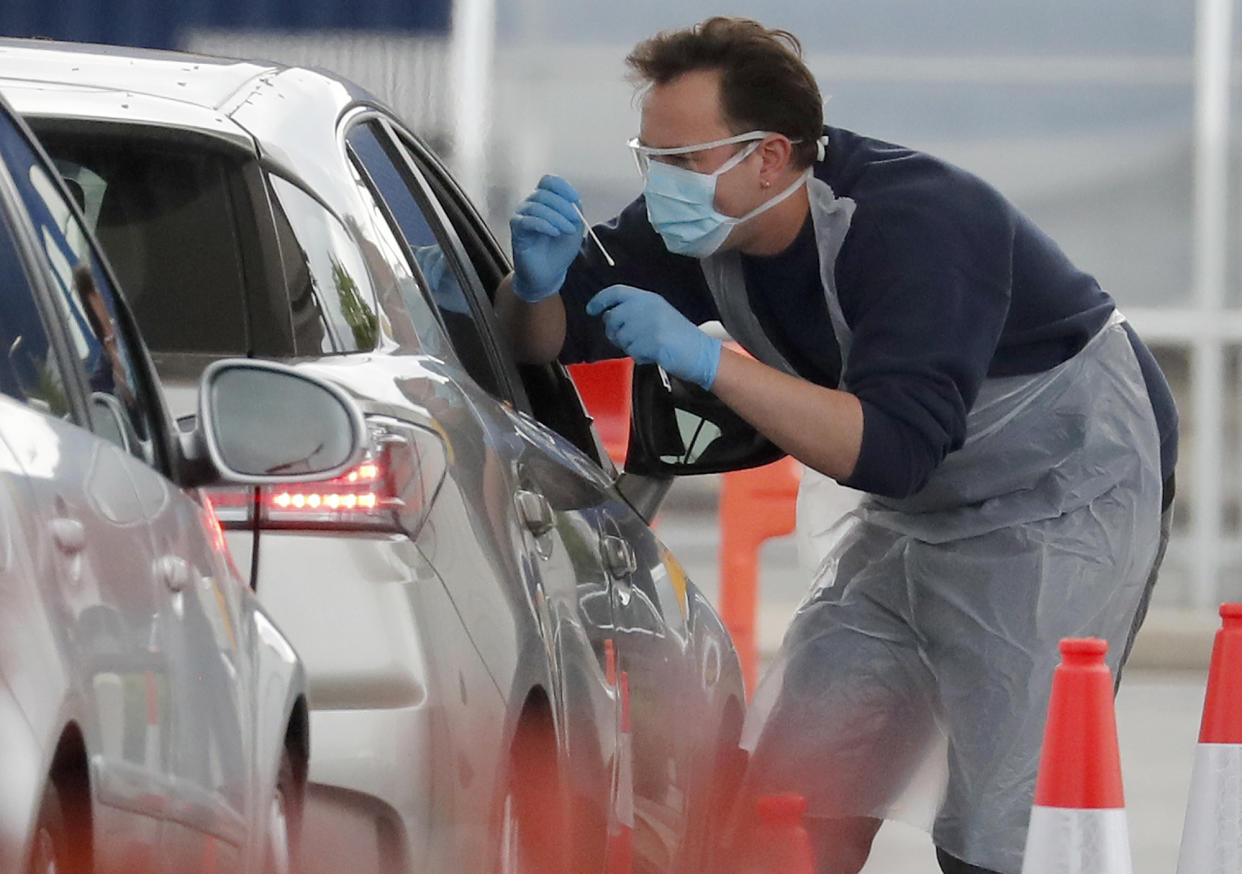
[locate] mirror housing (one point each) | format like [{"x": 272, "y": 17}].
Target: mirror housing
[
  {"x": 679, "y": 429},
  {"x": 262, "y": 423}
]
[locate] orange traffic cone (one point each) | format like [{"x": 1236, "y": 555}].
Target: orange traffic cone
[
  {"x": 1078, "y": 823},
  {"x": 1212, "y": 835}
]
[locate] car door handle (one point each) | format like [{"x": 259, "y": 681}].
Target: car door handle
[
  {"x": 69, "y": 534},
  {"x": 173, "y": 571},
  {"x": 619, "y": 556},
  {"x": 536, "y": 512}
]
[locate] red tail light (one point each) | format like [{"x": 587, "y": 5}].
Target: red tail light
[{"x": 389, "y": 491}]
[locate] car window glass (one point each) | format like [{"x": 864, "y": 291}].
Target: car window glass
[
  {"x": 166, "y": 222},
  {"x": 87, "y": 302},
  {"x": 401, "y": 286},
  {"x": 442, "y": 274},
  {"x": 330, "y": 291},
  {"x": 29, "y": 371}
]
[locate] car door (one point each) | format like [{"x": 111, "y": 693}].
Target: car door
[
  {"x": 201, "y": 602},
  {"x": 157, "y": 554},
  {"x": 646, "y": 587},
  {"x": 525, "y": 480},
  {"x": 212, "y": 759}
]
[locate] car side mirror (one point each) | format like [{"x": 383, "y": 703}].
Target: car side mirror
[
  {"x": 678, "y": 429},
  {"x": 264, "y": 423}
]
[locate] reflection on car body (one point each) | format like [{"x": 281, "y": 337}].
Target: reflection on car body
[{"x": 456, "y": 632}]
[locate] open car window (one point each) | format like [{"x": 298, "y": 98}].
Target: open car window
[{"x": 551, "y": 396}]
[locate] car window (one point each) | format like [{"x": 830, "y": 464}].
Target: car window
[
  {"x": 330, "y": 291},
  {"x": 87, "y": 302},
  {"x": 443, "y": 274},
  {"x": 29, "y": 371},
  {"x": 165, "y": 219},
  {"x": 551, "y": 396},
  {"x": 402, "y": 285}
]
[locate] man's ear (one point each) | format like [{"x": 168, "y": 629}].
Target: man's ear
[{"x": 776, "y": 153}]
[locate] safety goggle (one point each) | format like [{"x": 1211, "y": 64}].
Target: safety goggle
[{"x": 644, "y": 154}]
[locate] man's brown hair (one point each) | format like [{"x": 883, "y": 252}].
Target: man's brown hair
[{"x": 764, "y": 85}]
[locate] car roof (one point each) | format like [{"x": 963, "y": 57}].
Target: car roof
[
  {"x": 197, "y": 79},
  {"x": 277, "y": 110}
]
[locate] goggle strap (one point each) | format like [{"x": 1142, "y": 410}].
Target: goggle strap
[{"x": 698, "y": 147}]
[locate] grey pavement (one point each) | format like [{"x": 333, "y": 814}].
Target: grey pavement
[{"x": 1158, "y": 708}]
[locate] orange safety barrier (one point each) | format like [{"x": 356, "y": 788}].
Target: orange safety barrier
[
  {"x": 605, "y": 389},
  {"x": 755, "y": 504}
]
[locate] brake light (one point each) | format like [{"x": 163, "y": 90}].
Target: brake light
[
  {"x": 389, "y": 491},
  {"x": 371, "y": 494}
]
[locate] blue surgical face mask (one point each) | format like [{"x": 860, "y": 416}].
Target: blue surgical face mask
[{"x": 681, "y": 204}]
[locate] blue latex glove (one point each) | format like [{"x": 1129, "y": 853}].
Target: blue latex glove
[
  {"x": 547, "y": 234},
  {"x": 649, "y": 329}
]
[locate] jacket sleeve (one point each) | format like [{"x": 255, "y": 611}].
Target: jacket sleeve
[{"x": 924, "y": 278}]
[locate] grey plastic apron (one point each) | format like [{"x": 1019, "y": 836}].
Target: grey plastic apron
[{"x": 927, "y": 641}]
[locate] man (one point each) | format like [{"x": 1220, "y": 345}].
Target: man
[{"x": 918, "y": 339}]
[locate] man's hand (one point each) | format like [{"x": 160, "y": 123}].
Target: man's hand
[
  {"x": 650, "y": 330},
  {"x": 547, "y": 234}
]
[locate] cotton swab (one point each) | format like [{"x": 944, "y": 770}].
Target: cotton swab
[{"x": 591, "y": 232}]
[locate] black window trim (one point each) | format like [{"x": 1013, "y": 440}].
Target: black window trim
[{"x": 250, "y": 203}]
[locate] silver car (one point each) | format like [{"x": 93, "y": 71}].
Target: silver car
[
  {"x": 508, "y": 670},
  {"x": 152, "y": 718}
]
